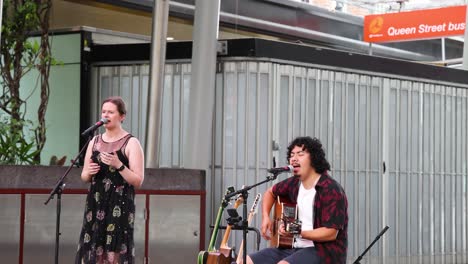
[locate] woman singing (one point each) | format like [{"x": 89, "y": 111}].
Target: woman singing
[{"x": 114, "y": 165}]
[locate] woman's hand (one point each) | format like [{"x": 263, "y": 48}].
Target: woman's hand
[
  {"x": 110, "y": 159},
  {"x": 93, "y": 168}
]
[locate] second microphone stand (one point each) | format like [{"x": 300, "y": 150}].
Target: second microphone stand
[{"x": 244, "y": 192}]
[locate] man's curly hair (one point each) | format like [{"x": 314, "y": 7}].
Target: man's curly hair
[{"x": 315, "y": 149}]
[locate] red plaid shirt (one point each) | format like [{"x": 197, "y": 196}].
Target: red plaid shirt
[{"x": 330, "y": 210}]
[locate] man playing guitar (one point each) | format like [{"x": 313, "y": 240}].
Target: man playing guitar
[{"x": 322, "y": 209}]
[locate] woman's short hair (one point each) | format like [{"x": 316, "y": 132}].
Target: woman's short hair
[{"x": 117, "y": 100}]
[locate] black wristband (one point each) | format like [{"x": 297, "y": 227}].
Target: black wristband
[{"x": 121, "y": 168}]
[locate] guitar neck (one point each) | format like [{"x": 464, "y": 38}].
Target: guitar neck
[
  {"x": 215, "y": 229},
  {"x": 227, "y": 233},
  {"x": 226, "y": 237}
]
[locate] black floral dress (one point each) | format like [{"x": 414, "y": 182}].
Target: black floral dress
[{"x": 109, "y": 214}]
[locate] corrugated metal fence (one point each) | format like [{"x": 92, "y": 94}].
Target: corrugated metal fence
[{"x": 397, "y": 145}]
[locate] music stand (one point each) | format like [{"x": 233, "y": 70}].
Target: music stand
[{"x": 357, "y": 261}]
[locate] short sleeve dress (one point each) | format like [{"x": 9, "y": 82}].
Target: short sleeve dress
[{"x": 109, "y": 212}]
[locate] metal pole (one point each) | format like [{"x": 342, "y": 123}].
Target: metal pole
[
  {"x": 385, "y": 202},
  {"x": 443, "y": 49},
  {"x": 465, "y": 46},
  {"x": 198, "y": 135},
  {"x": 57, "y": 229},
  {"x": 1, "y": 18},
  {"x": 158, "y": 57},
  {"x": 370, "y": 48}
]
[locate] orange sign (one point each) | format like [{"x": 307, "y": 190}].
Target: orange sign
[{"x": 420, "y": 24}]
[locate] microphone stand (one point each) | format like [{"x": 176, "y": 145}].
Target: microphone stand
[
  {"x": 357, "y": 261},
  {"x": 244, "y": 192},
  {"x": 58, "y": 189}
]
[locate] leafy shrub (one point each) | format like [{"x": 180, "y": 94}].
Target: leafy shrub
[{"x": 16, "y": 148}]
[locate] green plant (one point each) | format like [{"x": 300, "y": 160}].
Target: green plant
[
  {"x": 16, "y": 148},
  {"x": 20, "y": 55}
]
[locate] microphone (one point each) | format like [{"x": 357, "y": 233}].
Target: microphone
[
  {"x": 95, "y": 126},
  {"x": 279, "y": 170}
]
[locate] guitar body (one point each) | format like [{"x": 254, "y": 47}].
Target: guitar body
[
  {"x": 285, "y": 211},
  {"x": 219, "y": 258},
  {"x": 215, "y": 257}
]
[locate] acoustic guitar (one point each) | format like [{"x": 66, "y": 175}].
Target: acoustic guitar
[
  {"x": 286, "y": 214},
  {"x": 210, "y": 256},
  {"x": 252, "y": 213}
]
